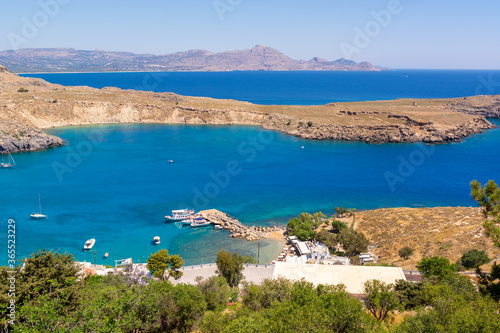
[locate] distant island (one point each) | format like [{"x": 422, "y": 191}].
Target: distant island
[{"x": 258, "y": 58}]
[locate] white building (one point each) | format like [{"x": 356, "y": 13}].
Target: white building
[{"x": 353, "y": 277}]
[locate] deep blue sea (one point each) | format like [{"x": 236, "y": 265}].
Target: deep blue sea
[
  {"x": 114, "y": 182},
  {"x": 304, "y": 88}
]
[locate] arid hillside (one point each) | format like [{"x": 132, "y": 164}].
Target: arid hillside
[{"x": 439, "y": 231}]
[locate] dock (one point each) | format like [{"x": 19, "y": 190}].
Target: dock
[{"x": 237, "y": 229}]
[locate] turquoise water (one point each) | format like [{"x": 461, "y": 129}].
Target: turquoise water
[
  {"x": 114, "y": 183},
  {"x": 298, "y": 87}
]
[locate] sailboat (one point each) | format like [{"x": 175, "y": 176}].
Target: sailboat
[
  {"x": 8, "y": 164},
  {"x": 39, "y": 215}
]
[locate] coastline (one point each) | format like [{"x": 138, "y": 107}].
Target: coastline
[{"x": 401, "y": 120}]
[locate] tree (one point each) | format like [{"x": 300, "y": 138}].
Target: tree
[
  {"x": 353, "y": 242},
  {"x": 405, "y": 252},
  {"x": 410, "y": 294},
  {"x": 452, "y": 312},
  {"x": 488, "y": 197},
  {"x": 304, "y": 225},
  {"x": 490, "y": 282},
  {"x": 327, "y": 238},
  {"x": 230, "y": 267},
  {"x": 163, "y": 265},
  {"x": 380, "y": 298},
  {"x": 474, "y": 259},
  {"x": 48, "y": 273},
  {"x": 270, "y": 290},
  {"x": 22, "y": 90},
  {"x": 337, "y": 226},
  {"x": 435, "y": 266},
  {"x": 215, "y": 291}
]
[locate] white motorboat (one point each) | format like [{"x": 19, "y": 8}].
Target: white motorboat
[
  {"x": 200, "y": 223},
  {"x": 179, "y": 215},
  {"x": 89, "y": 244},
  {"x": 156, "y": 240},
  {"x": 39, "y": 215}
]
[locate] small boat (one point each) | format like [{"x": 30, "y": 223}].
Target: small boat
[
  {"x": 156, "y": 240},
  {"x": 302, "y": 147},
  {"x": 106, "y": 255},
  {"x": 39, "y": 215},
  {"x": 179, "y": 215},
  {"x": 89, "y": 244},
  {"x": 8, "y": 164},
  {"x": 170, "y": 161},
  {"x": 200, "y": 223},
  {"x": 218, "y": 227}
]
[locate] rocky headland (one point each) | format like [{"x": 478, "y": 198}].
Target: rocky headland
[{"x": 27, "y": 106}]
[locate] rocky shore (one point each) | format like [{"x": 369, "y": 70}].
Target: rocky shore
[
  {"x": 27, "y": 106},
  {"x": 236, "y": 228}
]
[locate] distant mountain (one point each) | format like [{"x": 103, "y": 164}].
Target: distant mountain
[{"x": 258, "y": 58}]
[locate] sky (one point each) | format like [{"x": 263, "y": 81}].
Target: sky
[{"x": 430, "y": 34}]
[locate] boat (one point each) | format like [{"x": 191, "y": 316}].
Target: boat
[
  {"x": 106, "y": 255},
  {"x": 179, "y": 215},
  {"x": 218, "y": 227},
  {"x": 170, "y": 161},
  {"x": 156, "y": 240},
  {"x": 200, "y": 223},
  {"x": 8, "y": 164},
  {"x": 39, "y": 215},
  {"x": 89, "y": 244}
]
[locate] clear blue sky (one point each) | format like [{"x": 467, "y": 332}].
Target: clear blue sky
[{"x": 459, "y": 34}]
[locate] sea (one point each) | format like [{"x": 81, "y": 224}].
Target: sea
[{"x": 114, "y": 183}]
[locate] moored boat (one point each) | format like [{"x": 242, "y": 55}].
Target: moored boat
[
  {"x": 179, "y": 215},
  {"x": 106, "y": 255},
  {"x": 156, "y": 240},
  {"x": 10, "y": 162},
  {"x": 200, "y": 223},
  {"x": 89, "y": 244},
  {"x": 39, "y": 215}
]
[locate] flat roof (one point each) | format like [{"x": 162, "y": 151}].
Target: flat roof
[
  {"x": 353, "y": 277},
  {"x": 303, "y": 248}
]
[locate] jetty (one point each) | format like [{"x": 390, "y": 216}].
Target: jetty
[{"x": 237, "y": 229}]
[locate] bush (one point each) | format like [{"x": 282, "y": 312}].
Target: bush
[
  {"x": 215, "y": 291},
  {"x": 474, "y": 259},
  {"x": 309, "y": 123},
  {"x": 22, "y": 90},
  {"x": 405, "y": 252},
  {"x": 436, "y": 266}
]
